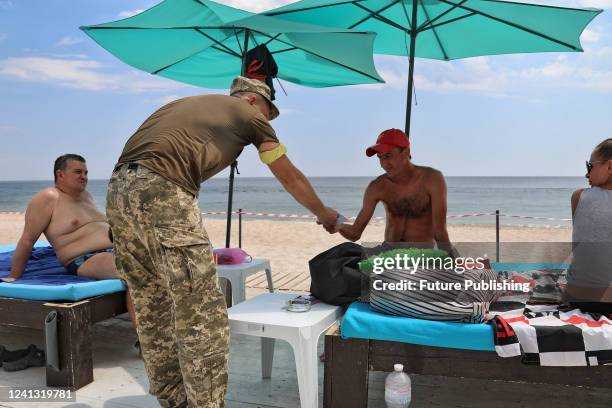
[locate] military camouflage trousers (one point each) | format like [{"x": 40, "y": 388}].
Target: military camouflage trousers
[{"x": 164, "y": 255}]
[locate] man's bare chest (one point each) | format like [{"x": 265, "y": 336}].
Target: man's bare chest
[
  {"x": 71, "y": 216},
  {"x": 409, "y": 202}
]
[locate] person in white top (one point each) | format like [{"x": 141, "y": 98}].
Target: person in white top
[{"x": 590, "y": 273}]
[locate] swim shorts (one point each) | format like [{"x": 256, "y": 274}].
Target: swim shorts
[{"x": 76, "y": 263}]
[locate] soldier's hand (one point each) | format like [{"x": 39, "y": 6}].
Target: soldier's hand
[
  {"x": 332, "y": 229},
  {"x": 8, "y": 279},
  {"x": 328, "y": 218}
]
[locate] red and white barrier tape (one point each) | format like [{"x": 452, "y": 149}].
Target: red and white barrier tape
[
  {"x": 277, "y": 215},
  {"x": 310, "y": 216},
  {"x": 529, "y": 217},
  {"x": 469, "y": 215}
]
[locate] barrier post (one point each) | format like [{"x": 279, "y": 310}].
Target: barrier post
[
  {"x": 240, "y": 228},
  {"x": 496, "y": 235}
]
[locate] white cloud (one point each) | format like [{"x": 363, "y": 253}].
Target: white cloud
[
  {"x": 502, "y": 76},
  {"x": 256, "y": 6},
  {"x": 66, "y": 55},
  {"x": 590, "y": 71},
  {"x": 262, "y": 5},
  {"x": 9, "y": 130},
  {"x": 474, "y": 75},
  {"x": 6, "y": 4},
  {"x": 288, "y": 111},
  {"x": 87, "y": 75},
  {"x": 163, "y": 99},
  {"x": 469, "y": 75},
  {"x": 249, "y": 5},
  {"x": 590, "y": 36},
  {"x": 600, "y": 4},
  {"x": 3, "y": 36},
  {"x": 67, "y": 41},
  {"x": 130, "y": 13}
]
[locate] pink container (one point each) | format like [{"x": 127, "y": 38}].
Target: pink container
[{"x": 231, "y": 256}]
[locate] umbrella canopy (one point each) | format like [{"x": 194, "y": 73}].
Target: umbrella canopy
[
  {"x": 202, "y": 43},
  {"x": 449, "y": 29}
]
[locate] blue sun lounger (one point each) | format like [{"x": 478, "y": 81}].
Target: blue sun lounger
[
  {"x": 47, "y": 296},
  {"x": 46, "y": 279},
  {"x": 369, "y": 341}
]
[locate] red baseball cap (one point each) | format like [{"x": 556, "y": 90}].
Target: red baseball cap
[{"x": 387, "y": 141}]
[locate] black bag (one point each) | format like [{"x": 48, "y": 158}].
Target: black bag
[
  {"x": 261, "y": 65},
  {"x": 335, "y": 276}
]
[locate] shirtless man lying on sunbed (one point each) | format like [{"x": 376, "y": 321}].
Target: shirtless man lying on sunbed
[
  {"x": 68, "y": 217},
  {"x": 414, "y": 197}
]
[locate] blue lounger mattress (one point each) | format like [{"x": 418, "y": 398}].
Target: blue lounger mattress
[
  {"x": 46, "y": 279},
  {"x": 362, "y": 323}
]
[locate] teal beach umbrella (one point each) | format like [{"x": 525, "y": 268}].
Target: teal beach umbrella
[
  {"x": 449, "y": 29},
  {"x": 204, "y": 43}
]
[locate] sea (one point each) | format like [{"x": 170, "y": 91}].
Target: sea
[{"x": 547, "y": 197}]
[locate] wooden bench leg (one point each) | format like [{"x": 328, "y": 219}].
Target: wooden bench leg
[
  {"x": 74, "y": 331},
  {"x": 346, "y": 372}
]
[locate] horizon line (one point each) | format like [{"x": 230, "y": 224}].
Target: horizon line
[{"x": 314, "y": 177}]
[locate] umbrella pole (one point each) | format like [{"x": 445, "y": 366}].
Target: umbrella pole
[
  {"x": 413, "y": 35},
  {"x": 228, "y": 226},
  {"x": 230, "y": 198},
  {"x": 244, "y": 52}
]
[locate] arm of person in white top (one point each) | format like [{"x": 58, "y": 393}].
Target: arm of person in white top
[{"x": 575, "y": 200}]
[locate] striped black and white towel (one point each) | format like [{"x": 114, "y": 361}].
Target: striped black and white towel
[
  {"x": 463, "y": 306},
  {"x": 549, "y": 335}
]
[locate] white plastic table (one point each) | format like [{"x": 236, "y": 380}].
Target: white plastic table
[
  {"x": 264, "y": 316},
  {"x": 237, "y": 275}
]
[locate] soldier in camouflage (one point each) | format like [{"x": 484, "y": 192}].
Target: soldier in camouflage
[{"x": 161, "y": 248}]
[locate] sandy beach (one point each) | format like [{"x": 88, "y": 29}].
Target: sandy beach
[{"x": 289, "y": 244}]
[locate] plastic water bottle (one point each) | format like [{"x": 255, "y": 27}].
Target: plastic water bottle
[{"x": 398, "y": 388}]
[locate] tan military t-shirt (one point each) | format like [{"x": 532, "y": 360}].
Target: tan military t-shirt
[{"x": 190, "y": 140}]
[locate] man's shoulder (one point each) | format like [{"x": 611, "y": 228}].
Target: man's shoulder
[
  {"x": 378, "y": 181},
  {"x": 377, "y": 185},
  {"x": 44, "y": 200},
  {"x": 430, "y": 171},
  {"x": 45, "y": 196},
  {"x": 196, "y": 101},
  {"x": 239, "y": 108},
  {"x": 430, "y": 174},
  {"x": 214, "y": 98},
  {"x": 205, "y": 97}
]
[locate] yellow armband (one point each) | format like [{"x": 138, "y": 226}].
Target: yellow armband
[{"x": 271, "y": 156}]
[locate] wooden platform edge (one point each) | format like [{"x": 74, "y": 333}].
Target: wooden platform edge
[
  {"x": 74, "y": 331},
  {"x": 348, "y": 361},
  {"x": 346, "y": 371}
]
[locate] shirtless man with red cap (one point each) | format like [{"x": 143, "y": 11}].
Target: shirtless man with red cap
[{"x": 414, "y": 196}]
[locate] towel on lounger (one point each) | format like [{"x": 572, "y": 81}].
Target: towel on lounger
[{"x": 43, "y": 268}]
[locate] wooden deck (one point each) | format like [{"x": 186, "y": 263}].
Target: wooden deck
[{"x": 120, "y": 379}]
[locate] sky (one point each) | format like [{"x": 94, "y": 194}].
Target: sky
[{"x": 512, "y": 115}]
